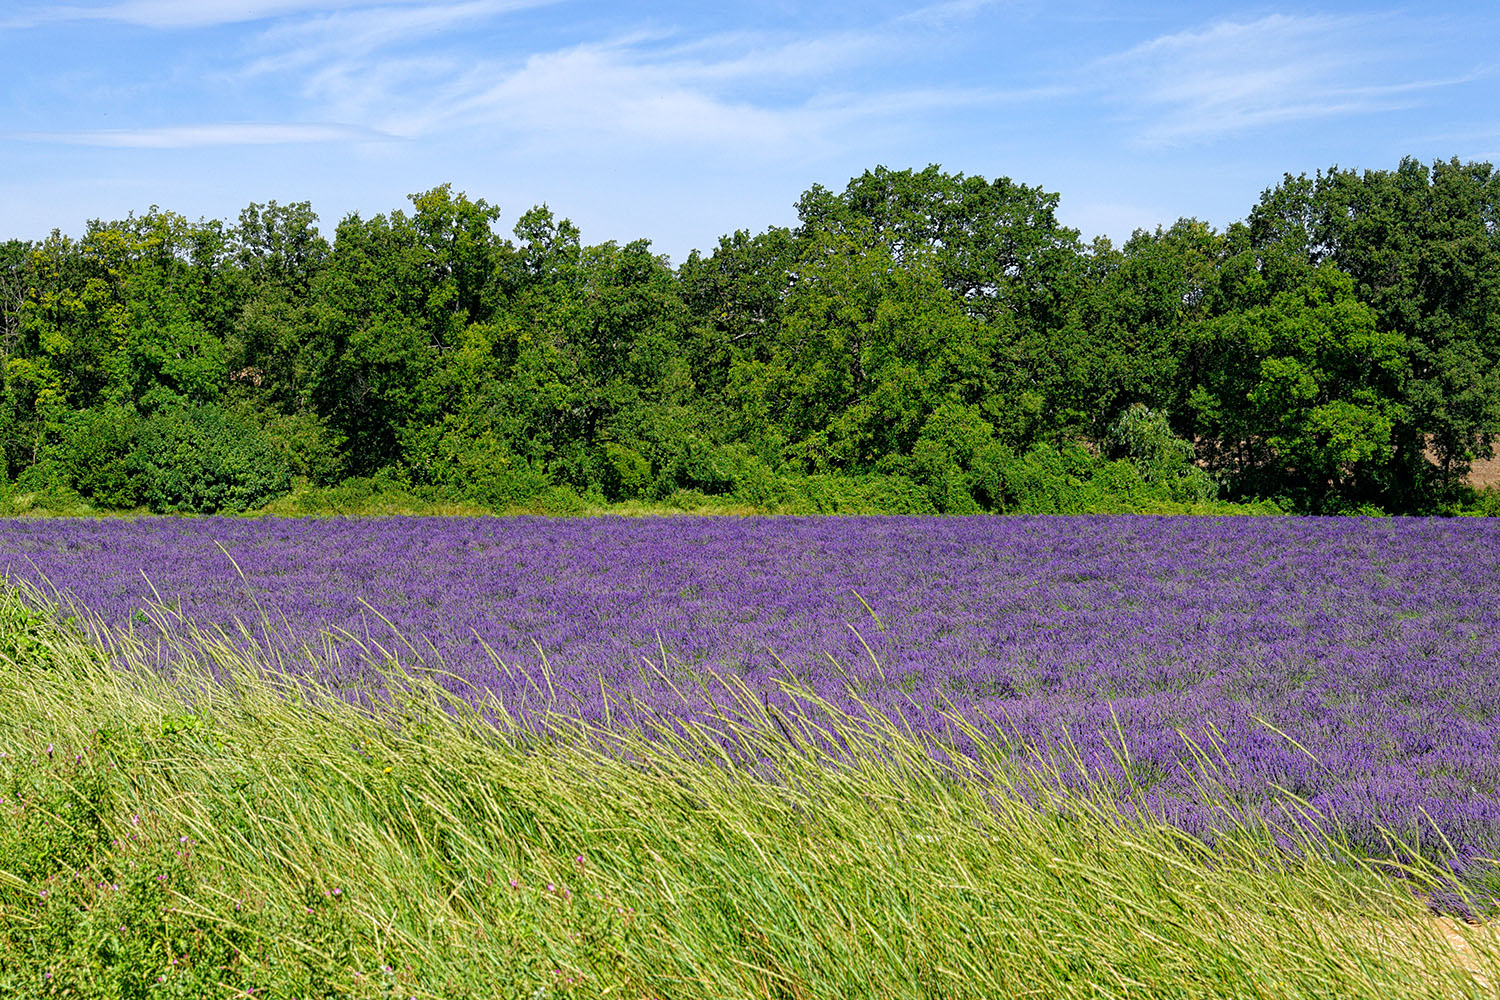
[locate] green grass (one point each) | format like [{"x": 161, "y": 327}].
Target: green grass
[
  {"x": 179, "y": 837},
  {"x": 384, "y": 495}
]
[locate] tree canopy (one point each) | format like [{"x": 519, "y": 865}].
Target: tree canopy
[{"x": 920, "y": 341}]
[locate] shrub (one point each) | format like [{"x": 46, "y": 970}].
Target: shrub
[
  {"x": 310, "y": 449},
  {"x": 559, "y": 500},
  {"x": 1484, "y": 503},
  {"x": 1144, "y": 438},
  {"x": 698, "y": 464},
  {"x": 627, "y": 473},
  {"x": 1047, "y": 480},
  {"x": 203, "y": 460},
  {"x": 841, "y": 494},
  {"x": 466, "y": 457},
  {"x": 953, "y": 457},
  {"x": 95, "y": 455}
]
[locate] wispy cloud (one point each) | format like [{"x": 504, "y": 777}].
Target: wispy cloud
[
  {"x": 177, "y": 13},
  {"x": 741, "y": 92},
  {"x": 1233, "y": 77},
  {"x": 357, "y": 34},
  {"x": 411, "y": 69},
  {"x": 186, "y": 136},
  {"x": 945, "y": 12}
]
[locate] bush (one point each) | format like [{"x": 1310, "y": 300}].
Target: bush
[
  {"x": 697, "y": 464},
  {"x": 627, "y": 473},
  {"x": 202, "y": 460},
  {"x": 840, "y": 494},
  {"x": 560, "y": 500},
  {"x": 95, "y": 456},
  {"x": 954, "y": 457},
  {"x": 466, "y": 458},
  {"x": 1144, "y": 438},
  {"x": 305, "y": 443},
  {"x": 1047, "y": 480}
]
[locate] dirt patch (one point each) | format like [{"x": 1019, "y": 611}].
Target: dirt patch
[
  {"x": 1475, "y": 948},
  {"x": 1485, "y": 472}
]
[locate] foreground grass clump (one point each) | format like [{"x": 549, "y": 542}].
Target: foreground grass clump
[{"x": 169, "y": 837}]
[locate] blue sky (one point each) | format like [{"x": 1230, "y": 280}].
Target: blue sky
[{"x": 680, "y": 122}]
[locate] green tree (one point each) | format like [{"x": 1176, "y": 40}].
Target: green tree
[
  {"x": 862, "y": 347},
  {"x": 279, "y": 256},
  {"x": 1423, "y": 249},
  {"x": 1306, "y": 397},
  {"x": 397, "y": 294}
]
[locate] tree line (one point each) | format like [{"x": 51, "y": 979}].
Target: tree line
[{"x": 919, "y": 341}]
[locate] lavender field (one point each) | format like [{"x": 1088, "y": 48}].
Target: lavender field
[{"x": 1354, "y": 664}]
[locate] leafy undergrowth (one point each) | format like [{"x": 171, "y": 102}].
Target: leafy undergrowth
[{"x": 182, "y": 837}]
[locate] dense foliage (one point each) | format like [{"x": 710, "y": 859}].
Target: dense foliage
[{"x": 920, "y": 342}]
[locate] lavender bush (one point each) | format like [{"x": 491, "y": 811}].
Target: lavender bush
[{"x": 1342, "y": 669}]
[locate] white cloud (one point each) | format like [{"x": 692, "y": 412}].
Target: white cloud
[
  {"x": 413, "y": 69},
  {"x": 591, "y": 90},
  {"x": 181, "y": 13},
  {"x": 225, "y": 134},
  {"x": 745, "y": 93},
  {"x": 1232, "y": 77},
  {"x": 357, "y": 34}
]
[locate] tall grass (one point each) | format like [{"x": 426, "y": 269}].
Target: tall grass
[{"x": 171, "y": 836}]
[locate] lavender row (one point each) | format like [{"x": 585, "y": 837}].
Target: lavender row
[{"x": 1350, "y": 662}]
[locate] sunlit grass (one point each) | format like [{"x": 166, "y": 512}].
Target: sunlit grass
[{"x": 253, "y": 837}]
